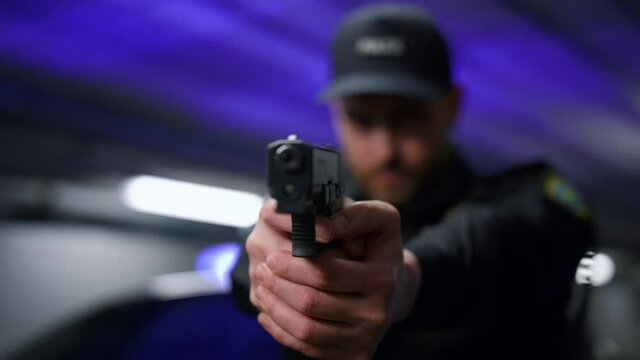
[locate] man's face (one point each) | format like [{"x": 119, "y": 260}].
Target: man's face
[{"x": 391, "y": 143}]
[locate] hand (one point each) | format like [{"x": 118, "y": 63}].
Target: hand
[
  {"x": 333, "y": 306},
  {"x": 272, "y": 233}
]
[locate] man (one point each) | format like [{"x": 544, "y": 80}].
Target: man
[{"x": 443, "y": 264}]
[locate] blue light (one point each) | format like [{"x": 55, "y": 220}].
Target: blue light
[{"x": 216, "y": 261}]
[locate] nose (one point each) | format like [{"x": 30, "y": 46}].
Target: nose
[{"x": 383, "y": 144}]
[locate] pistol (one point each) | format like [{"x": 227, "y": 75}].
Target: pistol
[{"x": 305, "y": 180}]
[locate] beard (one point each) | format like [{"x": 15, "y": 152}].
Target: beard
[{"x": 393, "y": 182}]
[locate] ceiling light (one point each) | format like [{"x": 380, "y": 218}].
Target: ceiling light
[{"x": 190, "y": 201}]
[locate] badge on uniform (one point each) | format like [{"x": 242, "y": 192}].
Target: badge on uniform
[{"x": 558, "y": 189}]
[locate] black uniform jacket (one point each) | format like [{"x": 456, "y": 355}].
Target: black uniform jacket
[{"x": 498, "y": 257}]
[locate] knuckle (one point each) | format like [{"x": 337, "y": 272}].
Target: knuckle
[
  {"x": 265, "y": 213},
  {"x": 380, "y": 277},
  {"x": 377, "y": 316},
  {"x": 251, "y": 245},
  {"x": 321, "y": 279},
  {"x": 309, "y": 301},
  {"x": 305, "y": 331},
  {"x": 367, "y": 208},
  {"x": 394, "y": 214},
  {"x": 280, "y": 265},
  {"x": 268, "y": 281},
  {"x": 324, "y": 230},
  {"x": 391, "y": 211},
  {"x": 267, "y": 217}
]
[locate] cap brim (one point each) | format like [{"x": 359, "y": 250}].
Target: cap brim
[{"x": 380, "y": 84}]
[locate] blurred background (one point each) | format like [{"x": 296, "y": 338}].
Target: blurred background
[{"x": 94, "y": 94}]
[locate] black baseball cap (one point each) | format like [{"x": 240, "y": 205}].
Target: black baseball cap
[{"x": 391, "y": 50}]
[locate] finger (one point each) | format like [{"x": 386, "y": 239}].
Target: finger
[
  {"x": 254, "y": 300},
  {"x": 353, "y": 248},
  {"x": 282, "y": 222},
  {"x": 264, "y": 239},
  {"x": 323, "y": 273},
  {"x": 312, "y": 302},
  {"x": 258, "y": 245},
  {"x": 377, "y": 222},
  {"x": 347, "y": 201},
  {"x": 301, "y": 327},
  {"x": 363, "y": 217},
  {"x": 289, "y": 341},
  {"x": 268, "y": 215}
]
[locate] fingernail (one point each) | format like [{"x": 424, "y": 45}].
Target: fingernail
[
  {"x": 271, "y": 262},
  {"x": 260, "y": 273},
  {"x": 259, "y": 292}
]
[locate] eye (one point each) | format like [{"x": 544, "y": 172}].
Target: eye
[
  {"x": 410, "y": 113},
  {"x": 359, "y": 120},
  {"x": 409, "y": 119}
]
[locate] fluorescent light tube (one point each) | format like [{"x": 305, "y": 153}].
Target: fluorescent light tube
[{"x": 190, "y": 201}]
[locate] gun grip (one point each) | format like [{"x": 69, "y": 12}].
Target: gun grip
[{"x": 303, "y": 236}]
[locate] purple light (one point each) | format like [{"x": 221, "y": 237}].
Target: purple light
[
  {"x": 216, "y": 261},
  {"x": 539, "y": 79}
]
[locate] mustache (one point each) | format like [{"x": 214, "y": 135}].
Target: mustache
[{"x": 392, "y": 165}]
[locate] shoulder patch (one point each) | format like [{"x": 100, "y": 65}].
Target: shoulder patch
[{"x": 558, "y": 190}]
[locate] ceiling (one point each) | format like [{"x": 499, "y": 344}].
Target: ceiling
[{"x": 217, "y": 80}]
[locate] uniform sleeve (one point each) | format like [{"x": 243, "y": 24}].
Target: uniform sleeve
[{"x": 506, "y": 261}]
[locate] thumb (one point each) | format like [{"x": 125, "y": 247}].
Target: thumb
[
  {"x": 364, "y": 217},
  {"x": 377, "y": 222},
  {"x": 353, "y": 248}
]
